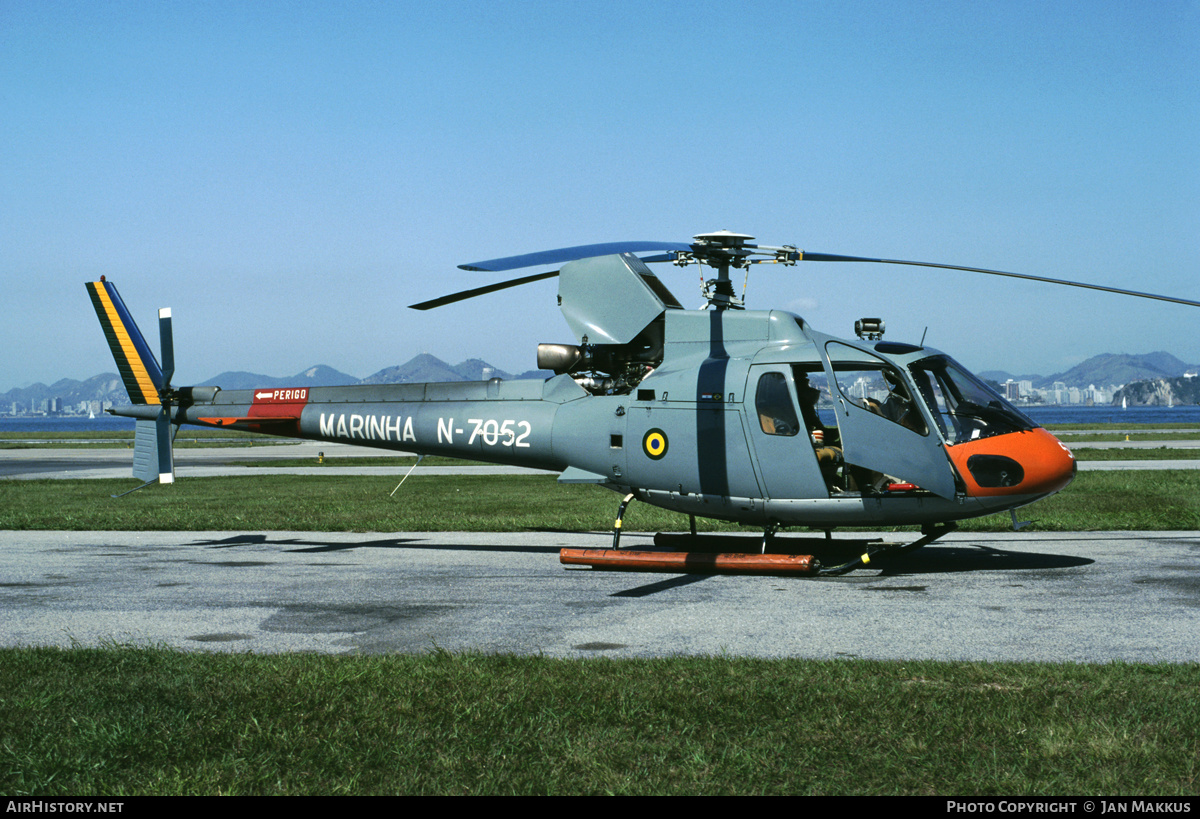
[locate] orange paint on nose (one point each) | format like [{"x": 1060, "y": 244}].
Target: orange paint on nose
[{"x": 1019, "y": 463}]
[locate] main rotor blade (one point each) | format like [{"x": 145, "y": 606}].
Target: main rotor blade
[
  {"x": 829, "y": 257},
  {"x": 570, "y": 254},
  {"x": 480, "y": 291}
]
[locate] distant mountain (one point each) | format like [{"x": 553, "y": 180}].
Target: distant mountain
[
  {"x": 426, "y": 368},
  {"x": 1102, "y": 370},
  {"x": 475, "y": 369},
  {"x": 417, "y": 370},
  {"x": 1113, "y": 368},
  {"x": 318, "y": 376},
  {"x": 1163, "y": 392},
  {"x": 322, "y": 376},
  {"x": 105, "y": 387}
]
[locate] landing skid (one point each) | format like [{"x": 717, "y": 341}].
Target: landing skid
[
  {"x": 719, "y": 554},
  {"x": 633, "y": 560}
]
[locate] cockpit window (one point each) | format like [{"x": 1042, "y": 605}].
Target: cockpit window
[
  {"x": 875, "y": 385},
  {"x": 964, "y": 408}
]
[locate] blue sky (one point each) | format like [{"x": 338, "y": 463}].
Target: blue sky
[{"x": 289, "y": 176}]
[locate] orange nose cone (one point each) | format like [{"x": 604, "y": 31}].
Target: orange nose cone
[{"x": 1019, "y": 463}]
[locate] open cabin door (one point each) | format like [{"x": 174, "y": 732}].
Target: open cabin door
[{"x": 883, "y": 429}]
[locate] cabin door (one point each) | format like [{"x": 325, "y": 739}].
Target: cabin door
[
  {"x": 883, "y": 429},
  {"x": 783, "y": 445}
]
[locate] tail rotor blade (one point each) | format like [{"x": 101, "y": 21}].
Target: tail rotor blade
[
  {"x": 167, "y": 344},
  {"x": 165, "y": 441}
]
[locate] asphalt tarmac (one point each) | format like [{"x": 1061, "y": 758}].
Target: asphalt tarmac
[
  {"x": 1086, "y": 597},
  {"x": 1078, "y": 597}
]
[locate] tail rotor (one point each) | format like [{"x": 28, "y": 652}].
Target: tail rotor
[{"x": 164, "y": 439}]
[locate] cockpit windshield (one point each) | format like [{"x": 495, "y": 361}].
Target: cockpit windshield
[{"x": 964, "y": 408}]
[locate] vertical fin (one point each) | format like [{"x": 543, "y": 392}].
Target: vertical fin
[{"x": 138, "y": 367}]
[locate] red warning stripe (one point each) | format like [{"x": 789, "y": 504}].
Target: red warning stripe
[{"x": 228, "y": 421}]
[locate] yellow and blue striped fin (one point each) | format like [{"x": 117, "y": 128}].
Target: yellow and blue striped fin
[{"x": 138, "y": 367}]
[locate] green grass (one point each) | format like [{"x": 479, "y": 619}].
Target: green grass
[
  {"x": 118, "y": 435},
  {"x": 1096, "y": 501},
  {"x": 1130, "y": 454},
  {"x": 1121, "y": 500},
  {"x": 1119, "y": 437},
  {"x": 1138, "y": 427},
  {"x": 126, "y": 721},
  {"x": 120, "y": 439},
  {"x": 467, "y": 503}
]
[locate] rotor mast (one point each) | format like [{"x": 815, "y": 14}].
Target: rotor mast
[{"x": 723, "y": 250}]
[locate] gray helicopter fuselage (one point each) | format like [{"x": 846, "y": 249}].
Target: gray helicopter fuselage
[{"x": 689, "y": 437}]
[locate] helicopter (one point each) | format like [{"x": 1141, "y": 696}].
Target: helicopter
[{"x": 749, "y": 416}]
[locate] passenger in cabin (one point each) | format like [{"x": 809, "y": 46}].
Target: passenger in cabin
[
  {"x": 776, "y": 413},
  {"x": 898, "y": 406},
  {"x": 829, "y": 455}
]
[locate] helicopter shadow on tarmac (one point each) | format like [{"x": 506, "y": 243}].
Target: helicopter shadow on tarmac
[
  {"x": 316, "y": 545},
  {"x": 946, "y": 559},
  {"x": 939, "y": 559}
]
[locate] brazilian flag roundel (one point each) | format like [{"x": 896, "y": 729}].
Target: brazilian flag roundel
[{"x": 654, "y": 444}]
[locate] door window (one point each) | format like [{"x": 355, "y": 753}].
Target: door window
[
  {"x": 876, "y": 386},
  {"x": 776, "y": 410}
]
